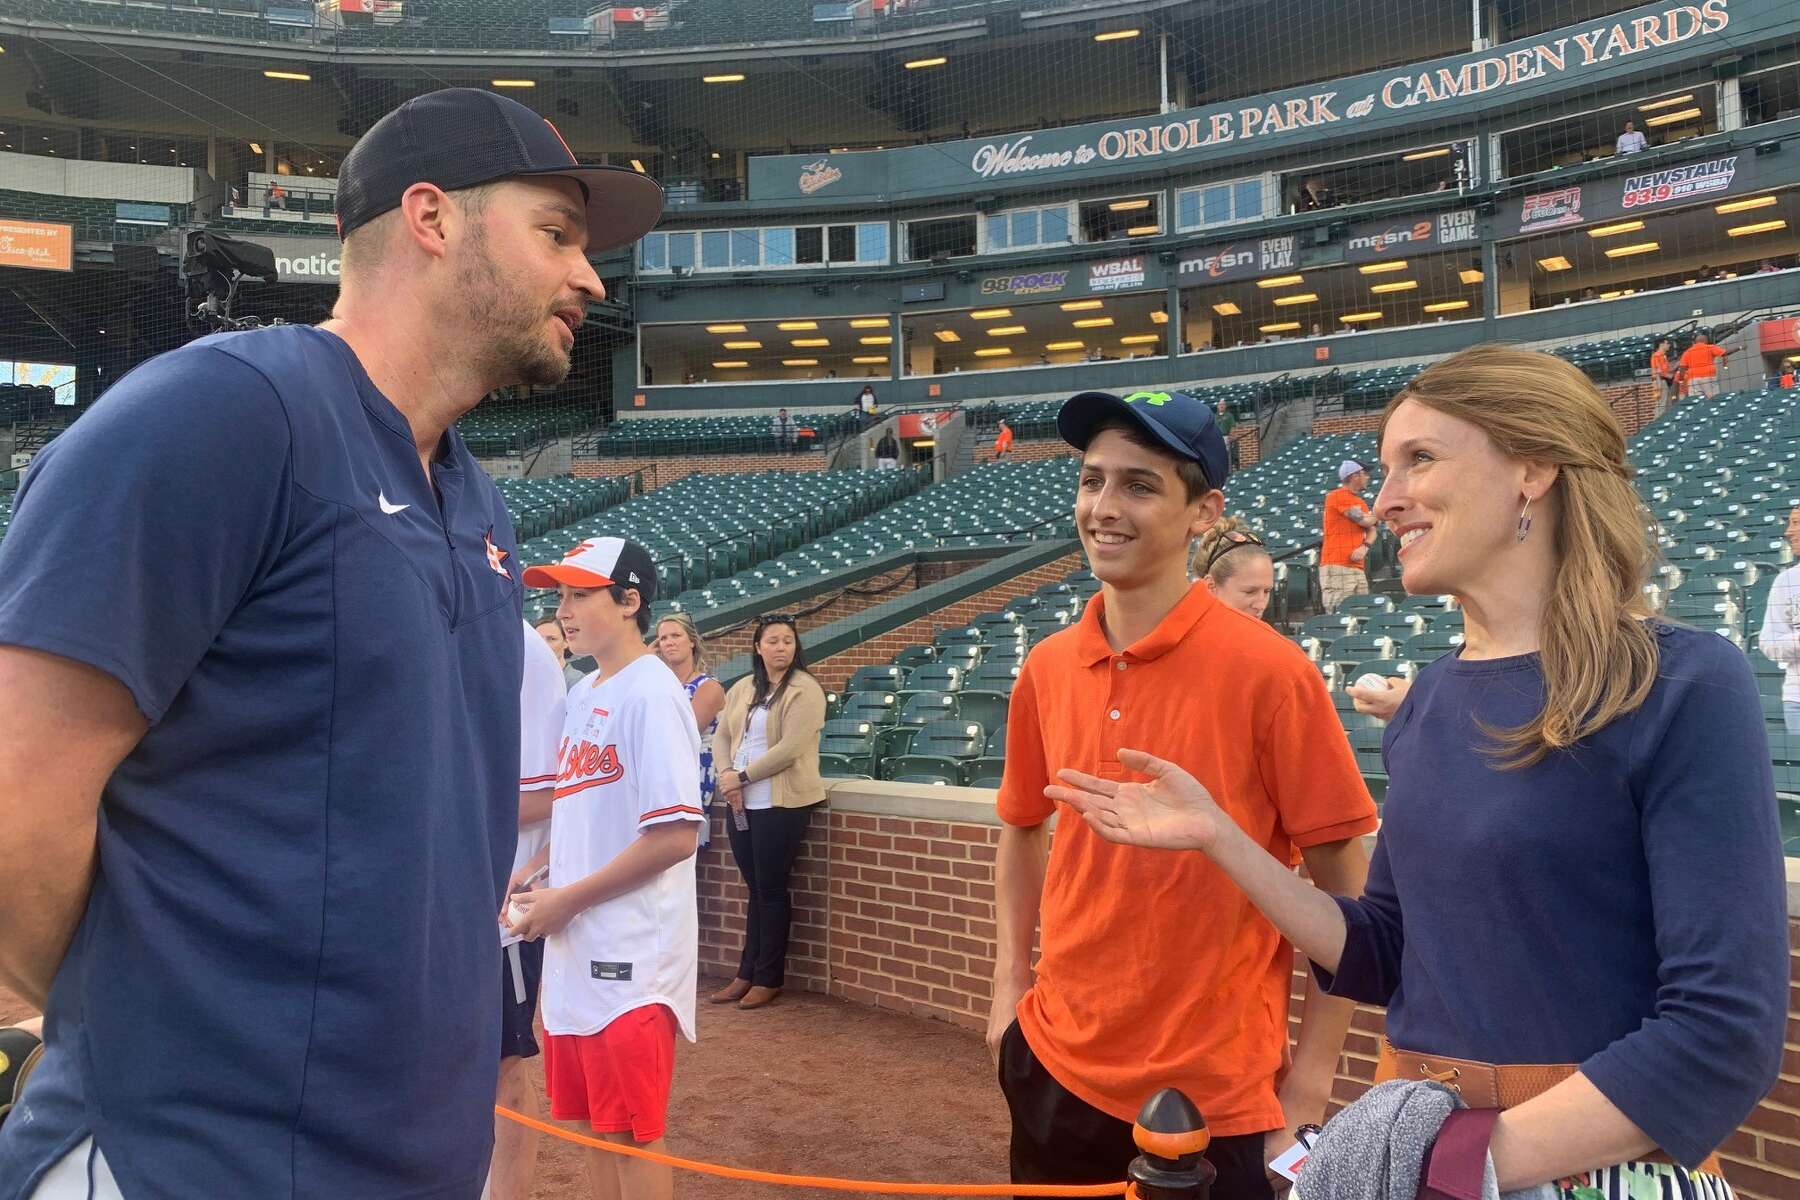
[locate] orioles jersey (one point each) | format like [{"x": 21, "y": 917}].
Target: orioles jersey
[{"x": 630, "y": 759}]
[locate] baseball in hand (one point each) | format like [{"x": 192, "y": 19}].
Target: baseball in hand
[{"x": 1372, "y": 683}]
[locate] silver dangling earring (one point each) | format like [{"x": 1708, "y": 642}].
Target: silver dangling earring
[{"x": 1525, "y": 519}]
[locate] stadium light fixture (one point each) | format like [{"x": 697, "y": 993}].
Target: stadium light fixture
[
  {"x": 1447, "y": 306},
  {"x": 919, "y": 64},
  {"x": 1759, "y": 227},
  {"x": 725, "y": 329},
  {"x": 881, "y": 339},
  {"x": 1600, "y": 231},
  {"x": 1556, "y": 262},
  {"x": 870, "y": 360},
  {"x": 993, "y": 352},
  {"x": 731, "y": 363},
  {"x": 1280, "y": 281},
  {"x": 796, "y": 326},
  {"x": 1673, "y": 118},
  {"x": 1128, "y": 205},
  {"x": 1081, "y": 305},
  {"x": 1117, "y": 35},
  {"x": 1003, "y": 330},
  {"x": 255, "y": 147},
  {"x": 799, "y": 362},
  {"x": 1159, "y": 317},
  {"x": 868, "y": 323},
  {"x": 1471, "y": 275},
  {"x": 1738, "y": 206},
  {"x": 1140, "y": 339},
  {"x": 290, "y": 76},
  {"x": 1670, "y": 102},
  {"x": 721, "y": 79},
  {"x": 1418, "y": 155},
  {"x": 1064, "y": 345},
  {"x": 1359, "y": 318},
  {"x": 1382, "y": 268},
  {"x": 1093, "y": 322},
  {"x": 514, "y": 83},
  {"x": 638, "y": 166},
  {"x": 1280, "y": 327},
  {"x": 1296, "y": 298},
  {"x": 808, "y": 343},
  {"x": 1634, "y": 248},
  {"x": 990, "y": 314},
  {"x": 1227, "y": 309},
  {"x": 946, "y": 335},
  {"x": 1398, "y": 285},
  {"x": 1143, "y": 230},
  {"x": 743, "y": 345}
]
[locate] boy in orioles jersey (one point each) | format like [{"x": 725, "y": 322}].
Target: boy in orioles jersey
[{"x": 617, "y": 915}]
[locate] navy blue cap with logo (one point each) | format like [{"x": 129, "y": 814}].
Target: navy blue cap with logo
[
  {"x": 464, "y": 137},
  {"x": 1180, "y": 421}
]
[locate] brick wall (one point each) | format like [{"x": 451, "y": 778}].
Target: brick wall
[
  {"x": 898, "y": 912},
  {"x": 1035, "y": 450},
  {"x": 833, "y": 672},
  {"x": 660, "y": 472},
  {"x": 1633, "y": 403},
  {"x": 1248, "y": 442},
  {"x": 1357, "y": 423}
]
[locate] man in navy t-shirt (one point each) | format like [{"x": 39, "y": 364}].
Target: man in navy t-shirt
[{"x": 259, "y": 639}]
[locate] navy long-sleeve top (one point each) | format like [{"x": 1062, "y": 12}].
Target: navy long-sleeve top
[{"x": 1620, "y": 905}]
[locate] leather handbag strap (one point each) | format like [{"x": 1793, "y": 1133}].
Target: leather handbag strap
[{"x": 1493, "y": 1085}]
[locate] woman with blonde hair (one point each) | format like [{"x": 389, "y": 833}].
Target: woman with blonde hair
[
  {"x": 1231, "y": 560},
  {"x": 679, "y": 644},
  {"x": 1576, "y": 910}
]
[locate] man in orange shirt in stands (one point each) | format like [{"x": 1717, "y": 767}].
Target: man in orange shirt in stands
[
  {"x": 1700, "y": 365},
  {"x": 1664, "y": 372},
  {"x": 1348, "y": 529},
  {"x": 1155, "y": 971},
  {"x": 1003, "y": 440}
]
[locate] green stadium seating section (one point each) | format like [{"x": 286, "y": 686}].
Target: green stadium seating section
[{"x": 654, "y": 437}]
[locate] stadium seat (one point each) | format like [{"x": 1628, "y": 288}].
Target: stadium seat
[
  {"x": 939, "y": 750},
  {"x": 877, "y": 708},
  {"x": 850, "y": 744}
]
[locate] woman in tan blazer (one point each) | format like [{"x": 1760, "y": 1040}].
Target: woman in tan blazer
[{"x": 766, "y": 753}]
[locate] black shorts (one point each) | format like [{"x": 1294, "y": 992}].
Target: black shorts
[
  {"x": 517, "y": 1038},
  {"x": 1057, "y": 1137}
]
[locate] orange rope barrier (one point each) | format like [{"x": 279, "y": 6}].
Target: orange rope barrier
[{"x": 876, "y": 1186}]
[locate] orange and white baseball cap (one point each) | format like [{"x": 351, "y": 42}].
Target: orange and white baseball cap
[{"x": 600, "y": 562}]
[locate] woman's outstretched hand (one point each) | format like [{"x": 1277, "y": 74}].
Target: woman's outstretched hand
[{"x": 1171, "y": 811}]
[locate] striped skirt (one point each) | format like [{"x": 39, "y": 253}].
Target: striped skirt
[{"x": 1644, "y": 1181}]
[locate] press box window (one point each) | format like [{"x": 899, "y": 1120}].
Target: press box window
[
  {"x": 1219, "y": 204},
  {"x": 952, "y": 236}
]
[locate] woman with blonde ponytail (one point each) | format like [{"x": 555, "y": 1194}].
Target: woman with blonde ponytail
[
  {"x": 1229, "y": 558},
  {"x": 1576, "y": 910}
]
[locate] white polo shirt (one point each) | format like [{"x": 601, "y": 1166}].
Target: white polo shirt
[
  {"x": 630, "y": 759},
  {"x": 541, "y": 712}
]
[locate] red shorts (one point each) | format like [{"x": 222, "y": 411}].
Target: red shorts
[{"x": 616, "y": 1080}]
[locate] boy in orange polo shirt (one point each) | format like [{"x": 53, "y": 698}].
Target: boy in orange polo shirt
[{"x": 1155, "y": 971}]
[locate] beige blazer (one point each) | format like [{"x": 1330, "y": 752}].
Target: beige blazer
[{"x": 791, "y": 764}]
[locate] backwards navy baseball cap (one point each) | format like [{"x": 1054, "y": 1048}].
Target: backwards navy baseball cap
[
  {"x": 1179, "y": 420},
  {"x": 465, "y": 137}
]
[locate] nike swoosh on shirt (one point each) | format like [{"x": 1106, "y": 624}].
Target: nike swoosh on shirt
[{"x": 390, "y": 509}]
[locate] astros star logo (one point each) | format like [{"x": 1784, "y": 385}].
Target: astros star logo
[{"x": 496, "y": 556}]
